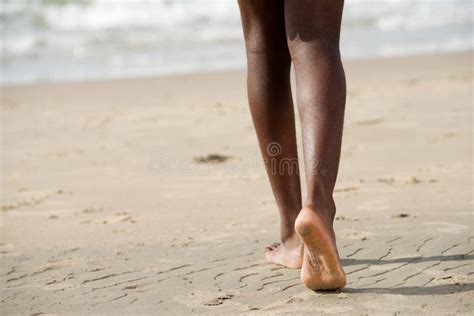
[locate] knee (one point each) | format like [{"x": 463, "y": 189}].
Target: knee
[
  {"x": 267, "y": 52},
  {"x": 313, "y": 28},
  {"x": 264, "y": 35},
  {"x": 260, "y": 42},
  {"x": 257, "y": 42},
  {"x": 326, "y": 48}
]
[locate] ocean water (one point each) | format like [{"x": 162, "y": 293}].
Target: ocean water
[{"x": 62, "y": 40}]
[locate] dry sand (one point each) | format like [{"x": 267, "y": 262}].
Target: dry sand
[{"x": 108, "y": 206}]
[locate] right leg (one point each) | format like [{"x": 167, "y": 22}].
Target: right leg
[
  {"x": 271, "y": 106},
  {"x": 313, "y": 38}
]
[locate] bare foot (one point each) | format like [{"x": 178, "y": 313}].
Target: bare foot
[
  {"x": 321, "y": 269},
  {"x": 288, "y": 253}
]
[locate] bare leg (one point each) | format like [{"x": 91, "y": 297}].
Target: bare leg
[
  {"x": 271, "y": 106},
  {"x": 313, "y": 29}
]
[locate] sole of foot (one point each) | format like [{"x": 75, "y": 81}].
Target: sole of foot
[{"x": 321, "y": 269}]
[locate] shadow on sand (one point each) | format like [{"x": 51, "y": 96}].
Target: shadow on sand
[
  {"x": 351, "y": 262},
  {"x": 443, "y": 289}
]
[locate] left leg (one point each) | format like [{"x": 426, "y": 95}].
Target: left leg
[{"x": 271, "y": 106}]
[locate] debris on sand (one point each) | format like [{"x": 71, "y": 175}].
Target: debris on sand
[
  {"x": 389, "y": 181},
  {"x": 212, "y": 158},
  {"x": 349, "y": 189},
  {"x": 413, "y": 180},
  {"x": 369, "y": 122},
  {"x": 294, "y": 300},
  {"x": 218, "y": 300},
  {"x": 91, "y": 210},
  {"x": 401, "y": 215}
]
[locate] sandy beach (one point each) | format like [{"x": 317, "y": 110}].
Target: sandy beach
[{"x": 148, "y": 196}]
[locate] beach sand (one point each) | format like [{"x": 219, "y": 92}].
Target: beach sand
[{"x": 110, "y": 205}]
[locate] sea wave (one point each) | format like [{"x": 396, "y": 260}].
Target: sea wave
[{"x": 82, "y": 39}]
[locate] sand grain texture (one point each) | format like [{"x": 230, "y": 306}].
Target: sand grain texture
[{"x": 105, "y": 210}]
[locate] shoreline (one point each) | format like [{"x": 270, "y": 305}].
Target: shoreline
[{"x": 223, "y": 71}]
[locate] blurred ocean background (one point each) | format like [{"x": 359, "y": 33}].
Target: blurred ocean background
[{"x": 63, "y": 40}]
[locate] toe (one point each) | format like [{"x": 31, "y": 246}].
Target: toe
[
  {"x": 270, "y": 254},
  {"x": 272, "y": 246}
]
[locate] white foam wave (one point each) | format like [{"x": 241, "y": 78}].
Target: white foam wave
[{"x": 97, "y": 38}]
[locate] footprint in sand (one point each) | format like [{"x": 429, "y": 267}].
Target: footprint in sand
[
  {"x": 355, "y": 235},
  {"x": 415, "y": 180},
  {"x": 53, "y": 265},
  {"x": 348, "y": 151},
  {"x": 446, "y": 227},
  {"x": 294, "y": 300},
  {"x": 388, "y": 181},
  {"x": 30, "y": 201},
  {"x": 352, "y": 190},
  {"x": 6, "y": 248},
  {"x": 409, "y": 180},
  {"x": 445, "y": 136},
  {"x": 369, "y": 122},
  {"x": 183, "y": 243},
  {"x": 199, "y": 298},
  {"x": 120, "y": 217},
  {"x": 343, "y": 218},
  {"x": 91, "y": 210}
]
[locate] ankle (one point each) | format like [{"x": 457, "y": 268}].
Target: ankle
[
  {"x": 324, "y": 207},
  {"x": 290, "y": 238},
  {"x": 287, "y": 225}
]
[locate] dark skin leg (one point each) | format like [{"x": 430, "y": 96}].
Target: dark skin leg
[
  {"x": 271, "y": 105},
  {"x": 313, "y": 28}
]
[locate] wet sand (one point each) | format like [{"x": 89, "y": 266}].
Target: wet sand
[{"x": 148, "y": 196}]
